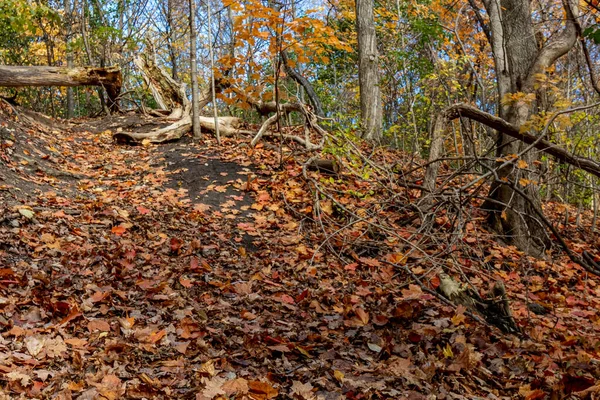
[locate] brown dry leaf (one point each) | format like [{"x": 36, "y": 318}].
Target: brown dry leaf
[
  {"x": 371, "y": 262},
  {"x": 99, "y": 296},
  {"x": 290, "y": 226},
  {"x": 327, "y": 207},
  {"x": 76, "y": 386},
  {"x": 208, "y": 368},
  {"x": 212, "y": 389},
  {"x": 459, "y": 317},
  {"x": 413, "y": 292},
  {"x": 263, "y": 389},
  {"x": 182, "y": 347},
  {"x": 399, "y": 366},
  {"x": 363, "y": 315},
  {"x": 186, "y": 283},
  {"x": 25, "y": 380},
  {"x": 248, "y": 315},
  {"x": 235, "y": 386},
  {"x": 304, "y": 390},
  {"x": 155, "y": 337},
  {"x": 47, "y": 238},
  {"x": 243, "y": 288},
  {"x": 35, "y": 344},
  {"x": 55, "y": 347},
  {"x": 76, "y": 342},
  {"x": 111, "y": 387},
  {"x": 127, "y": 323},
  {"x": 201, "y": 207},
  {"x": 98, "y": 325}
]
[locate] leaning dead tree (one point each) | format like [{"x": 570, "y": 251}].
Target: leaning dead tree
[
  {"x": 171, "y": 97},
  {"x": 19, "y": 76}
]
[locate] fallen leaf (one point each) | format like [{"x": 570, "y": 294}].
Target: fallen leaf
[
  {"x": 263, "y": 388},
  {"x": 304, "y": 390},
  {"x": 98, "y": 325},
  {"x": 363, "y": 315}
]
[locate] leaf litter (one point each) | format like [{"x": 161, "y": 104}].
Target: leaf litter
[{"x": 122, "y": 278}]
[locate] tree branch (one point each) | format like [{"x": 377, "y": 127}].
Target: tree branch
[
  {"x": 312, "y": 95},
  {"x": 556, "y": 48},
  {"x": 499, "y": 124}
]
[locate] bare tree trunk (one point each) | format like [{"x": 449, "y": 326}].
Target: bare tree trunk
[
  {"x": 171, "y": 39},
  {"x": 519, "y": 62},
  {"x": 212, "y": 74},
  {"x": 368, "y": 71},
  {"x": 88, "y": 52},
  {"x": 68, "y": 21},
  {"x": 194, "y": 72}
]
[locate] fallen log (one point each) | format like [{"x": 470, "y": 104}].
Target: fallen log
[
  {"x": 171, "y": 97},
  {"x": 228, "y": 126},
  {"x": 110, "y": 78}
]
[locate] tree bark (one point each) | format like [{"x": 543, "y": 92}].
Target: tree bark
[
  {"x": 168, "y": 93},
  {"x": 19, "y": 76},
  {"x": 171, "y": 97},
  {"x": 519, "y": 62},
  {"x": 171, "y": 38},
  {"x": 69, "y": 50},
  {"x": 194, "y": 72},
  {"x": 302, "y": 81},
  {"x": 368, "y": 71}
]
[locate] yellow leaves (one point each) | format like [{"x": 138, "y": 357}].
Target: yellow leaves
[
  {"x": 513, "y": 98},
  {"x": 525, "y": 182},
  {"x": 448, "y": 353},
  {"x": 522, "y": 164}
]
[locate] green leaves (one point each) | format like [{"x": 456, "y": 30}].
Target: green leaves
[{"x": 593, "y": 32}]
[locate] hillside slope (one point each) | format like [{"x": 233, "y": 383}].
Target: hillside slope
[{"x": 197, "y": 271}]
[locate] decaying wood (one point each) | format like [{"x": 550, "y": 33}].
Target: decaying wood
[
  {"x": 169, "y": 94},
  {"x": 171, "y": 97},
  {"x": 270, "y": 121},
  {"x": 228, "y": 126},
  {"x": 495, "y": 308},
  {"x": 324, "y": 166},
  {"x": 110, "y": 78}
]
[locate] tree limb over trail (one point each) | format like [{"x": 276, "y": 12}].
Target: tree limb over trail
[
  {"x": 110, "y": 78},
  {"x": 499, "y": 124},
  {"x": 504, "y": 127}
]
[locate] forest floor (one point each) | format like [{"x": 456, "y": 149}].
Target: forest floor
[{"x": 197, "y": 271}]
